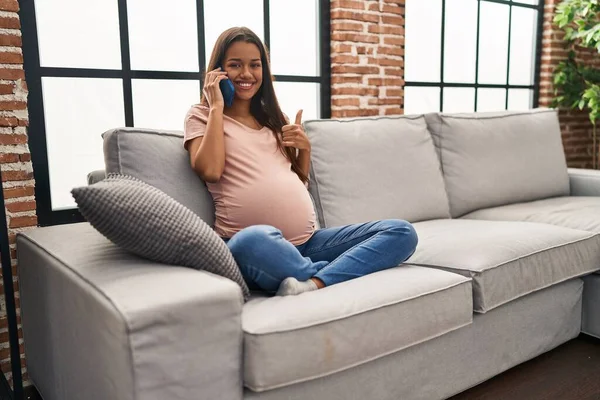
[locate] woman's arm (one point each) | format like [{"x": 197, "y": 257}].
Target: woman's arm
[
  {"x": 207, "y": 153},
  {"x": 304, "y": 161}
]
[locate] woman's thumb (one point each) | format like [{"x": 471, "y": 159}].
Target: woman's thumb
[{"x": 299, "y": 117}]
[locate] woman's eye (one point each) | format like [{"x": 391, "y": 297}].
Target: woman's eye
[{"x": 256, "y": 66}]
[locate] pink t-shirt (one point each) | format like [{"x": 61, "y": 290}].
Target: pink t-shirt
[{"x": 258, "y": 186}]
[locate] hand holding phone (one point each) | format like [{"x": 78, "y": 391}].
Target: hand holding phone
[
  {"x": 212, "y": 88},
  {"x": 228, "y": 91}
]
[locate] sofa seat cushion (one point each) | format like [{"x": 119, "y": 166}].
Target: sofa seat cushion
[
  {"x": 506, "y": 260},
  {"x": 571, "y": 212},
  {"x": 298, "y": 338}
]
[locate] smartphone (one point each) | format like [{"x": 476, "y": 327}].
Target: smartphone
[{"x": 228, "y": 90}]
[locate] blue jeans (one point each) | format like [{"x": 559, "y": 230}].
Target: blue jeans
[{"x": 333, "y": 255}]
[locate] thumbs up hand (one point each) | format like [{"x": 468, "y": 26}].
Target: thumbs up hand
[{"x": 294, "y": 135}]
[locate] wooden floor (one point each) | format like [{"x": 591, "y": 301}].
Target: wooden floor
[{"x": 569, "y": 372}]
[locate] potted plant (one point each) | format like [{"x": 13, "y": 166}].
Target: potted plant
[{"x": 576, "y": 85}]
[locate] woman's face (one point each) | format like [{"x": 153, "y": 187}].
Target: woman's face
[{"x": 244, "y": 68}]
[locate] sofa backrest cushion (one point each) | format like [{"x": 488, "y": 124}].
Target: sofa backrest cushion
[
  {"x": 375, "y": 168},
  {"x": 493, "y": 159},
  {"x": 159, "y": 159}
]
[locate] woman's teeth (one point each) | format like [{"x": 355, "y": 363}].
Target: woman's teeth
[{"x": 245, "y": 85}]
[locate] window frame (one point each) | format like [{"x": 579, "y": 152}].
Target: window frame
[
  {"x": 441, "y": 84},
  {"x": 34, "y": 73}
]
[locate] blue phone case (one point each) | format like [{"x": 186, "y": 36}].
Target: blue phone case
[{"x": 228, "y": 91}]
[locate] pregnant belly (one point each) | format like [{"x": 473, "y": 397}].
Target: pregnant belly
[{"x": 286, "y": 207}]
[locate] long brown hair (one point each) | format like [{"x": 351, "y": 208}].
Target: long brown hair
[{"x": 264, "y": 105}]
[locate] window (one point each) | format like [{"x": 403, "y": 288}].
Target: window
[
  {"x": 93, "y": 66},
  {"x": 481, "y": 55}
]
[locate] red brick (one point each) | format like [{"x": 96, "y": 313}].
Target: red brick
[
  {"x": 20, "y": 207},
  {"x": 22, "y": 191},
  {"x": 386, "y": 62},
  {"x": 394, "y": 111},
  {"x": 9, "y": 5},
  {"x": 386, "y": 101},
  {"x": 16, "y": 176},
  {"x": 393, "y": 20},
  {"x": 354, "y": 4},
  {"x": 398, "y": 2},
  {"x": 392, "y": 51},
  {"x": 8, "y": 158},
  {"x": 344, "y": 59},
  {"x": 10, "y": 23},
  {"x": 394, "y": 72},
  {"x": 341, "y": 48},
  {"x": 395, "y": 41},
  {"x": 21, "y": 222},
  {"x": 352, "y": 101},
  {"x": 355, "y": 16},
  {"x": 347, "y": 26},
  {"x": 12, "y": 105},
  {"x": 354, "y": 37},
  {"x": 25, "y": 157},
  {"x": 12, "y": 139},
  {"x": 393, "y": 9},
  {"x": 354, "y": 113},
  {"x": 7, "y": 88},
  {"x": 11, "y": 74},
  {"x": 346, "y": 79},
  {"x": 358, "y": 91},
  {"x": 386, "y": 81},
  {"x": 394, "y": 92},
  {"x": 365, "y": 50},
  {"x": 4, "y": 353},
  {"x": 23, "y": 122},
  {"x": 10, "y": 58},
  {"x": 9, "y": 121},
  {"x": 386, "y": 29},
  {"x": 375, "y": 28},
  {"x": 354, "y": 69},
  {"x": 10, "y": 40}
]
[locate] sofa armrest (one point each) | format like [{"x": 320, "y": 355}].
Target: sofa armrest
[
  {"x": 584, "y": 182},
  {"x": 96, "y": 176},
  {"x": 103, "y": 324}
]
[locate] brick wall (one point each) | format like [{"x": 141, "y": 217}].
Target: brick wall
[
  {"x": 575, "y": 125},
  {"x": 15, "y": 160},
  {"x": 367, "y": 57}
]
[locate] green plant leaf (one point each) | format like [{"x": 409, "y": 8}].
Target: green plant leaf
[{"x": 577, "y": 86}]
